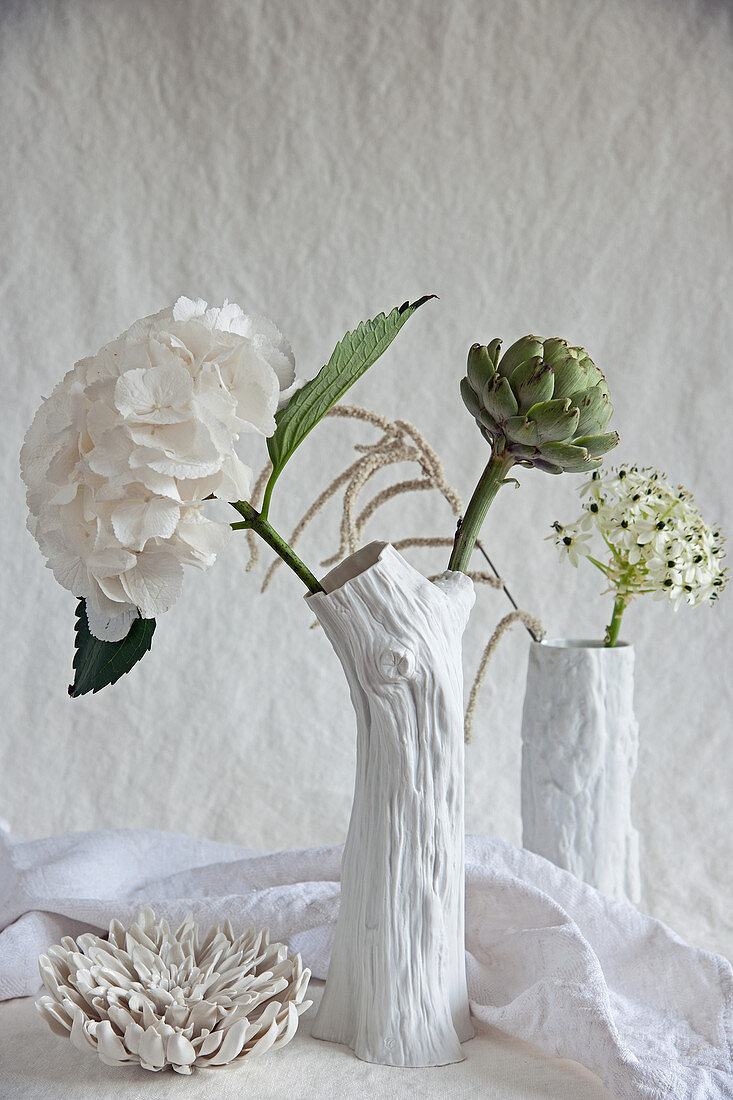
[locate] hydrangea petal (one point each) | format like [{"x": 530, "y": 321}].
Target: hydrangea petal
[
  {"x": 70, "y": 572},
  {"x": 236, "y": 481},
  {"x": 111, "y": 456},
  {"x": 109, "y": 592},
  {"x": 203, "y": 534},
  {"x": 255, "y": 388},
  {"x": 187, "y": 308},
  {"x": 109, "y": 562},
  {"x": 136, "y": 521},
  {"x": 154, "y": 583},
  {"x": 158, "y": 395}
]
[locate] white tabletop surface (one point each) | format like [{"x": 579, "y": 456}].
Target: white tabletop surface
[{"x": 35, "y": 1063}]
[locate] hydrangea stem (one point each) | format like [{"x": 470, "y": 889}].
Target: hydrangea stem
[
  {"x": 254, "y": 521},
  {"x": 613, "y": 628},
  {"x": 489, "y": 484}
]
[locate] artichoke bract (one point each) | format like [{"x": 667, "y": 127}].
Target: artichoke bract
[{"x": 543, "y": 403}]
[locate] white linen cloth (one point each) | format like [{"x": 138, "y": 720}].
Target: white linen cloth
[{"x": 550, "y": 960}]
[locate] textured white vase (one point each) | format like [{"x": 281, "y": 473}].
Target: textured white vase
[
  {"x": 396, "y": 989},
  {"x": 579, "y": 751}
]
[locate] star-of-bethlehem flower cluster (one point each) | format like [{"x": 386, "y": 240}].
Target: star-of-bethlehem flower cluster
[
  {"x": 653, "y": 538},
  {"x": 120, "y": 459}
]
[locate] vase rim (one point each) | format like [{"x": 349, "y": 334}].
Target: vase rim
[
  {"x": 353, "y": 566},
  {"x": 580, "y": 643}
]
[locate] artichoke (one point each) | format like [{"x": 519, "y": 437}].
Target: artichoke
[{"x": 543, "y": 403}]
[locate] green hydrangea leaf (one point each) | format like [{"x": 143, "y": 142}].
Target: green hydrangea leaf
[
  {"x": 351, "y": 357},
  {"x": 97, "y": 663}
]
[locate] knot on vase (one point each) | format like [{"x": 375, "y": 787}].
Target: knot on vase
[{"x": 397, "y": 663}]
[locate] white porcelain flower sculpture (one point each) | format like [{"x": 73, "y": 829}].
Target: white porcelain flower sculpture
[
  {"x": 120, "y": 458},
  {"x": 156, "y": 998}
]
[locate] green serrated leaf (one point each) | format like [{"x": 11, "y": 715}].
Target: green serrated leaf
[
  {"x": 350, "y": 359},
  {"x": 98, "y": 663}
]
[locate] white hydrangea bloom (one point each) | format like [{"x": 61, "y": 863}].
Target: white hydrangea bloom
[
  {"x": 650, "y": 535},
  {"x": 121, "y": 457}
]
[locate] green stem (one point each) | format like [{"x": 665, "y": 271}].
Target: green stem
[
  {"x": 255, "y": 521},
  {"x": 599, "y": 565},
  {"x": 468, "y": 530},
  {"x": 612, "y": 548},
  {"x": 265, "y": 508},
  {"x": 613, "y": 628}
]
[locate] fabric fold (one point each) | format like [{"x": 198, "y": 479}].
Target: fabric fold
[{"x": 549, "y": 959}]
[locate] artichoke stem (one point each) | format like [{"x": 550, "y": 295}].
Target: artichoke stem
[
  {"x": 613, "y": 628},
  {"x": 489, "y": 484},
  {"x": 255, "y": 521}
]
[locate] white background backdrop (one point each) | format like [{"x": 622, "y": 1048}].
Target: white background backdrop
[{"x": 561, "y": 167}]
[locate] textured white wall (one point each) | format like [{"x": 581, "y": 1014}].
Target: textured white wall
[{"x": 561, "y": 167}]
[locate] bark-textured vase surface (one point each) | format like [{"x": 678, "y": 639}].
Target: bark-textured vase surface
[
  {"x": 579, "y": 752},
  {"x": 396, "y": 989}
]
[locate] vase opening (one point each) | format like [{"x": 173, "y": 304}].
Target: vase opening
[{"x": 353, "y": 566}]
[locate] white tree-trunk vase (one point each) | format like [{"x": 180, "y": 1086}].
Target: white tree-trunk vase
[
  {"x": 396, "y": 989},
  {"x": 579, "y": 753}
]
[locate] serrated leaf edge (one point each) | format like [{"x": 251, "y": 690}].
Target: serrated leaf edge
[
  {"x": 281, "y": 447},
  {"x": 145, "y": 642}
]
